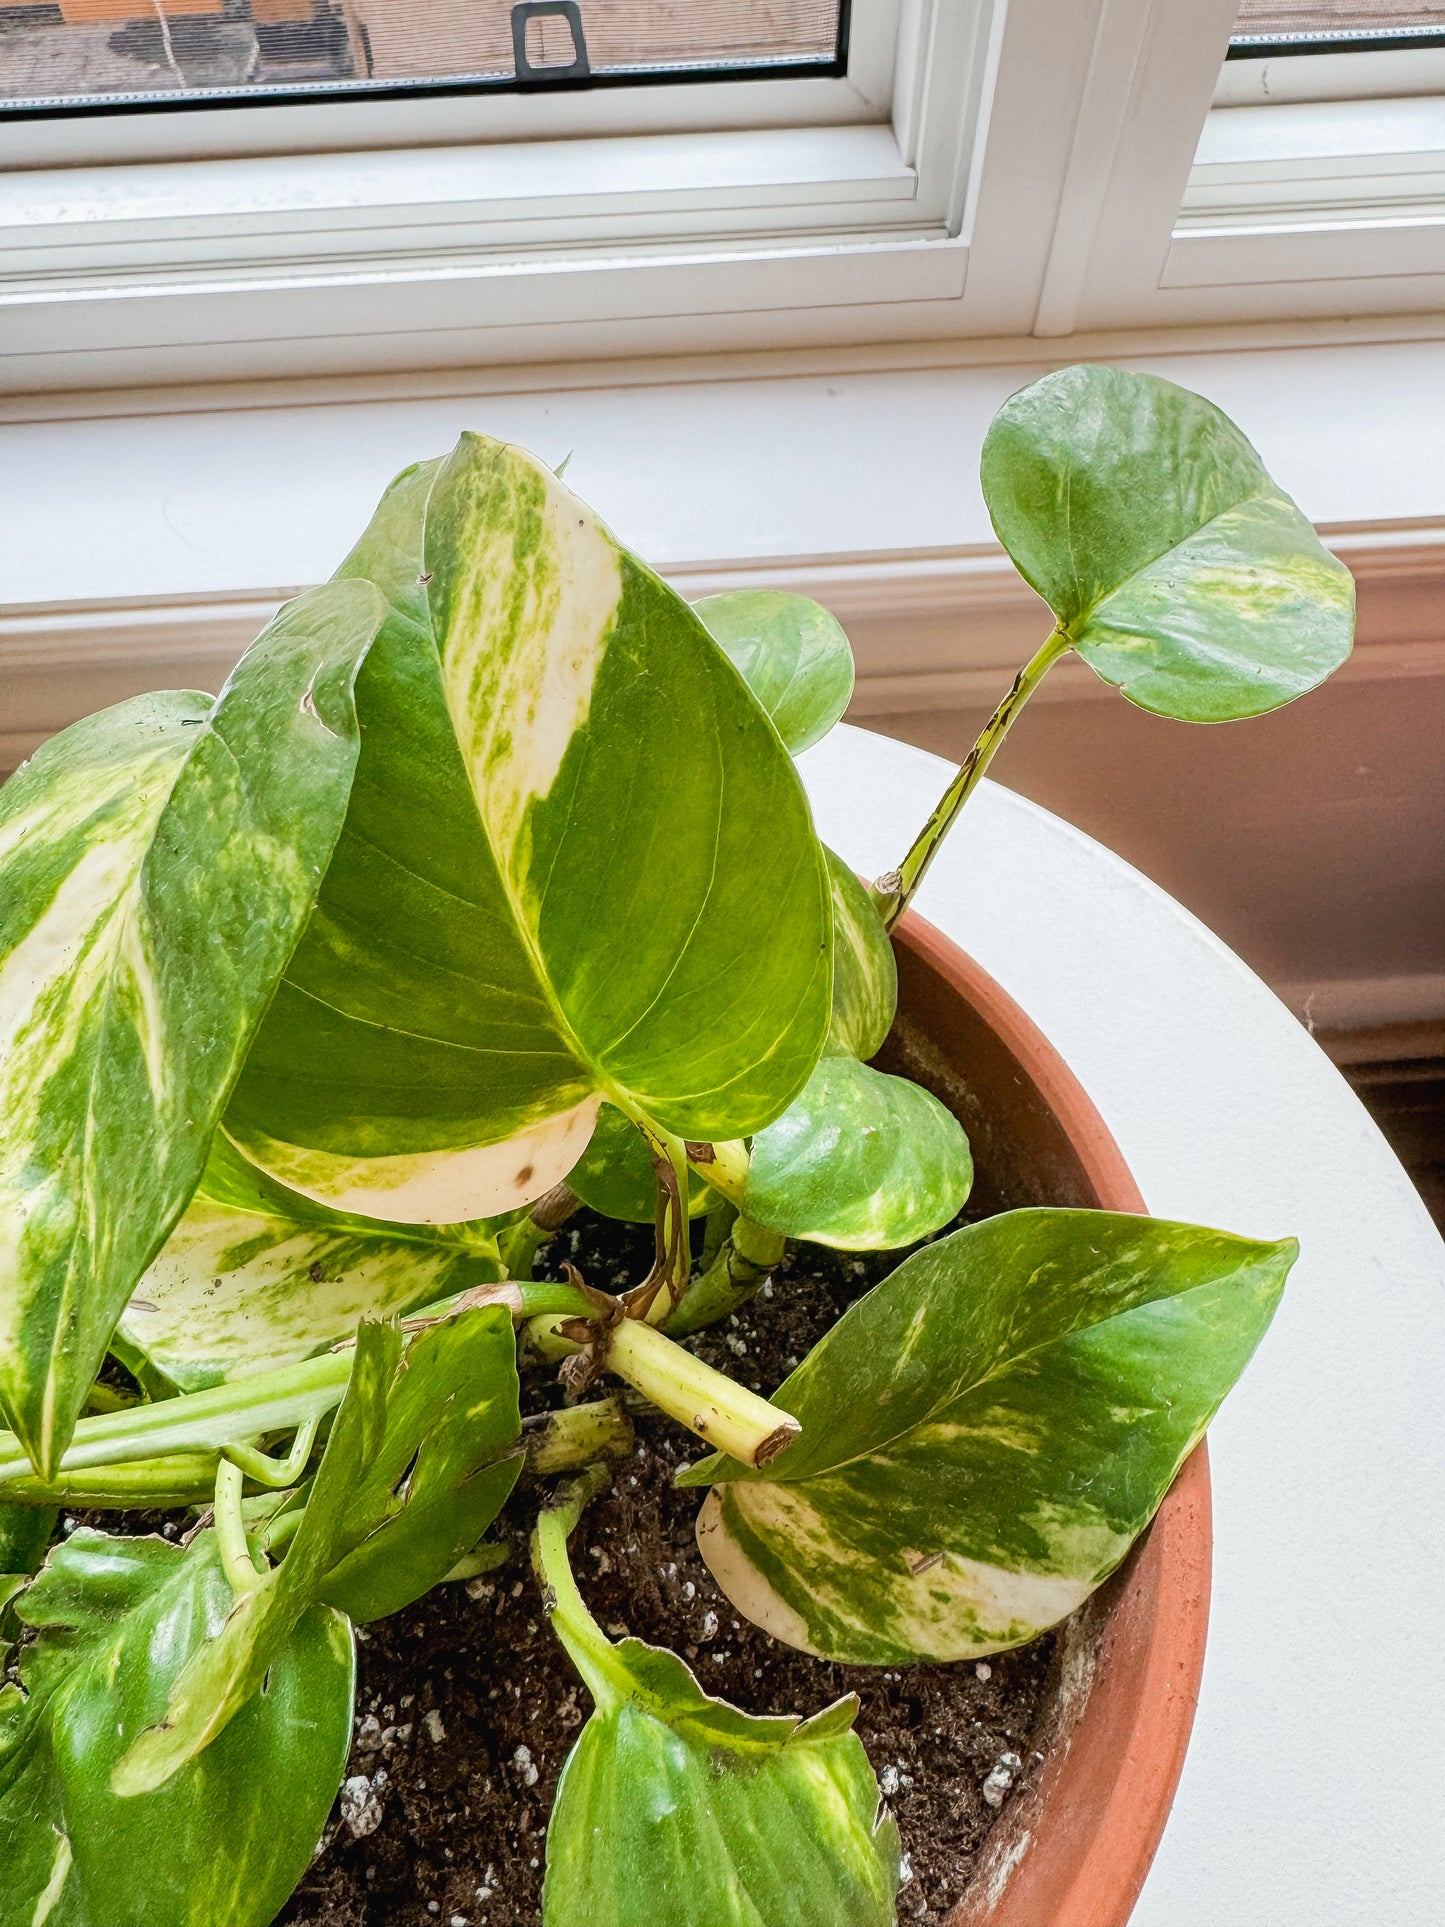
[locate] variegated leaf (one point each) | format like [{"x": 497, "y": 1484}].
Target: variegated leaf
[
  {"x": 678, "y": 1808},
  {"x": 792, "y": 652},
  {"x": 1174, "y": 565},
  {"x": 157, "y": 863},
  {"x": 546, "y": 889},
  {"x": 227, "y": 1839},
  {"x": 860, "y": 1160},
  {"x": 255, "y": 1276},
  {"x": 985, "y": 1434},
  {"x": 418, "y": 1463},
  {"x": 865, "y": 976}
]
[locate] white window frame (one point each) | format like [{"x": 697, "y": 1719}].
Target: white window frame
[
  {"x": 989, "y": 168},
  {"x": 1204, "y": 213}
]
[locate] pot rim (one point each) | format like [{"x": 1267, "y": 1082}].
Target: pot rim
[{"x": 1073, "y": 1848}]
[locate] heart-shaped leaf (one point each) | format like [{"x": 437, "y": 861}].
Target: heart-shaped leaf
[
  {"x": 417, "y": 1466},
  {"x": 157, "y": 863},
  {"x": 546, "y": 891},
  {"x": 677, "y": 1807},
  {"x": 225, "y": 1840},
  {"x": 865, "y": 976},
  {"x": 255, "y": 1276},
  {"x": 615, "y": 1176},
  {"x": 793, "y": 654},
  {"x": 1175, "y": 566},
  {"x": 985, "y": 1434},
  {"x": 860, "y": 1160}
]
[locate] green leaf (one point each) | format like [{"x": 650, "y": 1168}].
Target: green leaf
[
  {"x": 546, "y": 891},
  {"x": 987, "y": 1432},
  {"x": 677, "y": 1807},
  {"x": 24, "y": 1534},
  {"x": 614, "y": 1174},
  {"x": 791, "y": 652},
  {"x": 1175, "y": 566},
  {"x": 157, "y": 863},
  {"x": 865, "y": 976},
  {"x": 861, "y": 1161},
  {"x": 227, "y": 1839},
  {"x": 415, "y": 1470},
  {"x": 445, "y": 1467},
  {"x": 255, "y": 1276}
]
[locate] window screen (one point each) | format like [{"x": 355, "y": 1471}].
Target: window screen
[
  {"x": 98, "y": 54},
  {"x": 1334, "y": 26}
]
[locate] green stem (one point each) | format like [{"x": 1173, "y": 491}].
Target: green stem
[
  {"x": 276, "y": 1473},
  {"x": 589, "y": 1647},
  {"x": 236, "y": 1561},
  {"x": 726, "y": 1169},
  {"x": 182, "y": 1478},
  {"x": 519, "y": 1244},
  {"x": 744, "y": 1262},
  {"x": 722, "y": 1412},
  {"x": 893, "y": 892},
  {"x": 485, "y": 1557},
  {"x": 576, "y": 1436},
  {"x": 239, "y": 1412}
]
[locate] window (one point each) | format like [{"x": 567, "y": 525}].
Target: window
[
  {"x": 94, "y": 55},
  {"x": 935, "y": 169}
]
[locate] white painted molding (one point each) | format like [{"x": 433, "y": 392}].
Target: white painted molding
[{"x": 936, "y": 629}]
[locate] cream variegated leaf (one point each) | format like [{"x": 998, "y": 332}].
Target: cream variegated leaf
[
  {"x": 157, "y": 864},
  {"x": 255, "y": 1277},
  {"x": 986, "y": 1433},
  {"x": 545, "y": 891}
]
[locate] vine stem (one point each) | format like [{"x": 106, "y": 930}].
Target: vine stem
[
  {"x": 235, "y": 1413},
  {"x": 892, "y": 893},
  {"x": 722, "y": 1412},
  {"x": 236, "y": 1561},
  {"x": 587, "y": 1645}
]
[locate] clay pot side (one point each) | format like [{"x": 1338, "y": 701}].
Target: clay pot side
[{"x": 1071, "y": 1849}]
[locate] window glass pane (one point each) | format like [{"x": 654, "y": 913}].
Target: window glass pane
[
  {"x": 110, "y": 53},
  {"x": 1330, "y": 25}
]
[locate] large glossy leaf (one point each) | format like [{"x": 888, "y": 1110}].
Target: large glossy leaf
[
  {"x": 987, "y": 1432},
  {"x": 615, "y": 1174},
  {"x": 416, "y": 1467},
  {"x": 157, "y": 864},
  {"x": 860, "y": 1160},
  {"x": 255, "y": 1276},
  {"x": 1173, "y": 563},
  {"x": 865, "y": 976},
  {"x": 678, "y": 1808},
  {"x": 547, "y": 888},
  {"x": 225, "y": 1840},
  {"x": 792, "y": 652}
]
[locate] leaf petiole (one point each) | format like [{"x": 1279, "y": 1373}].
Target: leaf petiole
[
  {"x": 240, "y": 1411},
  {"x": 277, "y": 1473},
  {"x": 588, "y": 1645},
  {"x": 236, "y": 1560},
  {"x": 891, "y": 893}
]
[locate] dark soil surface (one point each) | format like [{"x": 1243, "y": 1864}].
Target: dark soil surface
[{"x": 468, "y": 1706}]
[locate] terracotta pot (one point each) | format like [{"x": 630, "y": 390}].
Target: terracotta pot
[{"x": 1071, "y": 1848}]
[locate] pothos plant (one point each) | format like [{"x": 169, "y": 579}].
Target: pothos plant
[{"x": 487, "y": 887}]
